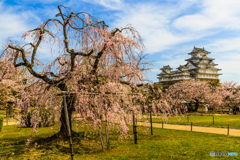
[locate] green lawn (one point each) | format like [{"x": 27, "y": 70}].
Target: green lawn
[
  {"x": 2, "y": 112},
  {"x": 219, "y": 120},
  {"x": 164, "y": 144}
]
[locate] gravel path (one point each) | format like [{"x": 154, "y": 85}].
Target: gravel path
[
  {"x": 232, "y": 132},
  {"x": 11, "y": 123}
]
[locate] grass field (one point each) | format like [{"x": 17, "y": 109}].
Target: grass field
[
  {"x": 219, "y": 120},
  {"x": 164, "y": 144},
  {"x": 3, "y": 112}
]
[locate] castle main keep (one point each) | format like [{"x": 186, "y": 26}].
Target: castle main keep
[{"x": 199, "y": 66}]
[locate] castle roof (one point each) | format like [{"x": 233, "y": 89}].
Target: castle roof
[
  {"x": 207, "y": 64},
  {"x": 166, "y": 68},
  {"x": 201, "y": 58},
  {"x": 182, "y": 67},
  {"x": 197, "y": 50}
]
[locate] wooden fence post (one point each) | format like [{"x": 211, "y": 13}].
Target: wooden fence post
[
  {"x": 151, "y": 122},
  {"x": 135, "y": 130},
  {"x": 213, "y": 119},
  {"x": 228, "y": 130},
  {"x": 191, "y": 126},
  {"x": 68, "y": 126},
  {"x": 133, "y": 121}
]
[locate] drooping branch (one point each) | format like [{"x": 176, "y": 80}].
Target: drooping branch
[
  {"x": 117, "y": 30},
  {"x": 62, "y": 64},
  {"x": 65, "y": 32},
  {"x": 36, "y": 46},
  {"x": 53, "y": 20},
  {"x": 22, "y": 52},
  {"x": 128, "y": 83},
  {"x": 3, "y": 74},
  {"x": 52, "y": 74},
  {"x": 85, "y": 54},
  {"x": 99, "y": 54},
  {"x": 30, "y": 67}
]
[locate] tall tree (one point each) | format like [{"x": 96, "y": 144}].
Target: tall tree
[
  {"x": 11, "y": 84},
  {"x": 231, "y": 95},
  {"x": 215, "y": 98},
  {"x": 92, "y": 59},
  {"x": 192, "y": 92}
]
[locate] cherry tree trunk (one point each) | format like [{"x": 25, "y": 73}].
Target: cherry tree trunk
[
  {"x": 196, "y": 105},
  {"x": 234, "y": 110},
  {"x": 191, "y": 107},
  {"x": 9, "y": 110},
  {"x": 101, "y": 136},
  {"x": 107, "y": 135},
  {"x": 70, "y": 102},
  {"x": 63, "y": 128}
]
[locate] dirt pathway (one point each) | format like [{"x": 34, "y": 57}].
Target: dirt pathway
[
  {"x": 232, "y": 132},
  {"x": 11, "y": 123}
]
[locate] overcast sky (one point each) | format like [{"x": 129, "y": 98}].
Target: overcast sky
[{"x": 170, "y": 28}]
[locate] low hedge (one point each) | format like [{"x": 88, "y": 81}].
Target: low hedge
[
  {"x": 44, "y": 114},
  {"x": 1, "y": 123}
]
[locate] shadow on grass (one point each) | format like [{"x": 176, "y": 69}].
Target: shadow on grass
[{"x": 55, "y": 143}]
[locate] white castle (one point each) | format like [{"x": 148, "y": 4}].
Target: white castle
[{"x": 199, "y": 66}]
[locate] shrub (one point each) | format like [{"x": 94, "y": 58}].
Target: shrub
[
  {"x": 1, "y": 123},
  {"x": 44, "y": 114}
]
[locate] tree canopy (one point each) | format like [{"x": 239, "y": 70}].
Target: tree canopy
[{"x": 101, "y": 69}]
